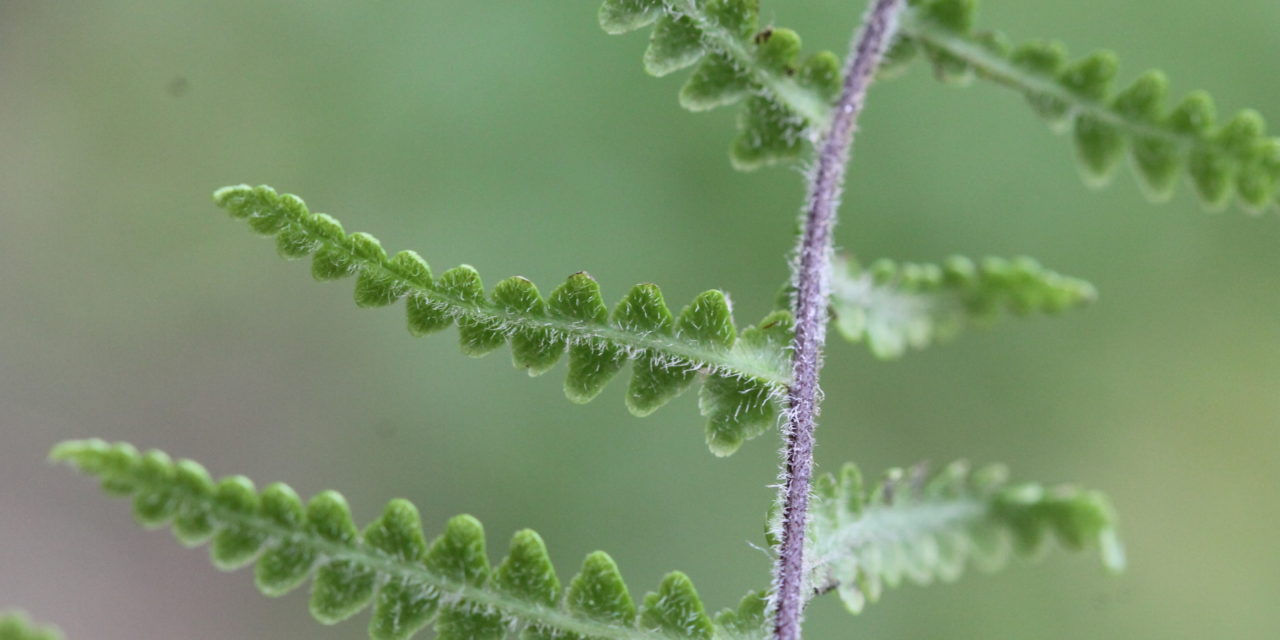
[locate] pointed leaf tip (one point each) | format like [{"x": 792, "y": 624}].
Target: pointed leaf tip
[
  {"x": 527, "y": 572},
  {"x": 459, "y": 552},
  {"x": 236, "y": 545},
  {"x": 676, "y": 609},
  {"x": 534, "y": 349},
  {"x": 655, "y": 379},
  {"x": 398, "y": 532},
  {"x": 599, "y": 592},
  {"x": 708, "y": 321},
  {"x": 285, "y": 564}
]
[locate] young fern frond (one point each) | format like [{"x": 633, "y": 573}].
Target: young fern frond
[
  {"x": 788, "y": 100},
  {"x": 743, "y": 373},
  {"x": 1236, "y": 157},
  {"x": 390, "y": 565},
  {"x": 15, "y": 625},
  {"x": 925, "y": 529},
  {"x": 893, "y": 307}
]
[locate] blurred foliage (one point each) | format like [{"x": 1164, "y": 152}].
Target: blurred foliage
[
  {"x": 501, "y": 134},
  {"x": 1235, "y": 159},
  {"x": 892, "y": 307},
  {"x": 15, "y": 625}
]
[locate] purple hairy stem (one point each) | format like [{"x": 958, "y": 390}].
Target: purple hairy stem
[{"x": 813, "y": 253}]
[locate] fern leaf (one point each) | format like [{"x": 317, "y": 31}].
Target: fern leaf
[
  {"x": 892, "y": 307},
  {"x": 924, "y": 529},
  {"x": 390, "y": 566},
  {"x": 15, "y": 625},
  {"x": 747, "y": 620},
  {"x": 787, "y": 100},
  {"x": 1233, "y": 158},
  {"x": 743, "y": 374}
]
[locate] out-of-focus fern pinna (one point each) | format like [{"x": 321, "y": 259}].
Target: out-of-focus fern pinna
[
  {"x": 855, "y": 542},
  {"x": 1233, "y": 158}
]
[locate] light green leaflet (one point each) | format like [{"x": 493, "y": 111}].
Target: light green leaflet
[
  {"x": 922, "y": 529},
  {"x": 895, "y": 307}
]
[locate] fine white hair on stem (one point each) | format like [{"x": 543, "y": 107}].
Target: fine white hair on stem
[{"x": 811, "y": 275}]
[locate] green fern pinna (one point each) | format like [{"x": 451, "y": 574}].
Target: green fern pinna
[
  {"x": 856, "y": 541},
  {"x": 906, "y": 526}
]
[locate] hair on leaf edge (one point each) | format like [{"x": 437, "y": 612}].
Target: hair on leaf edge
[
  {"x": 742, "y": 373},
  {"x": 390, "y": 566},
  {"x": 787, "y": 99}
]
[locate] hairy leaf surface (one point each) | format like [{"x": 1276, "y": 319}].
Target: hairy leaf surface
[
  {"x": 892, "y": 307},
  {"x": 788, "y": 100},
  {"x": 1232, "y": 158},
  {"x": 926, "y": 529},
  {"x": 742, "y": 374},
  {"x": 390, "y": 566}
]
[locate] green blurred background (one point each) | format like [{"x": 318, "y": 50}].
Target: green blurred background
[{"x": 519, "y": 138}]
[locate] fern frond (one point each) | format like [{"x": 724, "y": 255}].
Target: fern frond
[
  {"x": 390, "y": 565},
  {"x": 788, "y": 100},
  {"x": 893, "y": 307},
  {"x": 1236, "y": 157},
  {"x": 743, "y": 373},
  {"x": 15, "y": 625},
  {"x": 925, "y": 529}
]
